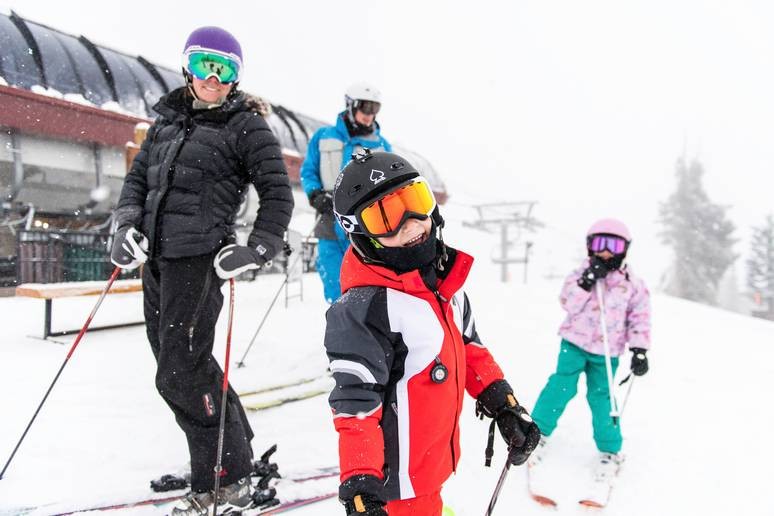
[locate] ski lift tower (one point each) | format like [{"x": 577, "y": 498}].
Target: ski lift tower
[{"x": 512, "y": 219}]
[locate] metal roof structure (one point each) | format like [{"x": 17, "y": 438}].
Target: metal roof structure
[
  {"x": 52, "y": 63},
  {"x": 45, "y": 60}
]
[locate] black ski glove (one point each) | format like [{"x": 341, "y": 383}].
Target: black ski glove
[
  {"x": 321, "y": 201},
  {"x": 130, "y": 248},
  {"x": 517, "y": 428},
  {"x": 639, "y": 365},
  {"x": 363, "y": 495},
  {"x": 233, "y": 260},
  {"x": 597, "y": 269}
]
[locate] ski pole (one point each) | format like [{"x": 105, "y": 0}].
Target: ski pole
[
  {"x": 112, "y": 278},
  {"x": 498, "y": 487},
  {"x": 222, "y": 427},
  {"x": 241, "y": 362},
  {"x": 606, "y": 345},
  {"x": 629, "y": 378}
]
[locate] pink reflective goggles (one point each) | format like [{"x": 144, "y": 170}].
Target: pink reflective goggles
[{"x": 614, "y": 244}]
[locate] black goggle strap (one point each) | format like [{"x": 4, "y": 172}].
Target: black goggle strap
[{"x": 349, "y": 223}]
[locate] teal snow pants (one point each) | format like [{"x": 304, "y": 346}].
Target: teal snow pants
[{"x": 562, "y": 387}]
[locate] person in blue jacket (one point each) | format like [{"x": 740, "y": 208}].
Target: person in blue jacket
[{"x": 329, "y": 151}]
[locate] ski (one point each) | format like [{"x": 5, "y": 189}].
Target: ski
[
  {"x": 599, "y": 497},
  {"x": 592, "y": 504},
  {"x": 161, "y": 500},
  {"x": 276, "y": 402},
  {"x": 147, "y": 502},
  {"x": 315, "y": 474},
  {"x": 263, "y": 469},
  {"x": 602, "y": 486},
  {"x": 289, "y": 505},
  {"x": 544, "y": 500},
  {"x": 535, "y": 494},
  {"x": 281, "y": 386}
]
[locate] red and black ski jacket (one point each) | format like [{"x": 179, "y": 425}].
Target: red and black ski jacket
[{"x": 384, "y": 338}]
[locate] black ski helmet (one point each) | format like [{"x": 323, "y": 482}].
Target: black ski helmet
[{"x": 368, "y": 176}]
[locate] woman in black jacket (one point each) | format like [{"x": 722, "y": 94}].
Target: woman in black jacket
[{"x": 176, "y": 210}]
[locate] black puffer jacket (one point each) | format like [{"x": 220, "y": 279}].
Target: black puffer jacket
[{"x": 190, "y": 176}]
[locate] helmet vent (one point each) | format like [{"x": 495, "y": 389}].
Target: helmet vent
[
  {"x": 355, "y": 189},
  {"x": 397, "y": 165}
]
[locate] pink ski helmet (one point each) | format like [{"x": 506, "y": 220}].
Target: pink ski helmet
[{"x": 610, "y": 227}]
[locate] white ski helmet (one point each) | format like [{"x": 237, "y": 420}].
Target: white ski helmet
[
  {"x": 363, "y": 91},
  {"x": 364, "y": 97}
]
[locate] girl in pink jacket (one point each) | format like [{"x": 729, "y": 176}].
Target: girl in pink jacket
[{"x": 627, "y": 315}]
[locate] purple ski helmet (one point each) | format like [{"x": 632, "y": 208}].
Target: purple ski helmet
[
  {"x": 214, "y": 40},
  {"x": 610, "y": 227}
]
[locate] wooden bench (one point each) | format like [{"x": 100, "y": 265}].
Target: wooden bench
[{"x": 51, "y": 291}]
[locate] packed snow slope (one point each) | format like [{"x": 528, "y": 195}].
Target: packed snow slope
[{"x": 697, "y": 427}]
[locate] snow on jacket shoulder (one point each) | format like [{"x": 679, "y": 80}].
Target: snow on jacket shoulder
[
  {"x": 383, "y": 338},
  {"x": 627, "y": 313}
]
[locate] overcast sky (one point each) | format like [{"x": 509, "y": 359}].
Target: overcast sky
[{"x": 582, "y": 106}]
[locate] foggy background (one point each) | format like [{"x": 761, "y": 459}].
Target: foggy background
[{"x": 581, "y": 106}]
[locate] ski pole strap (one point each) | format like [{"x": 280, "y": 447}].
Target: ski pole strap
[
  {"x": 482, "y": 410},
  {"x": 490, "y": 444}
]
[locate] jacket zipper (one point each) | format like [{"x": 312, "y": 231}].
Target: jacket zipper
[
  {"x": 441, "y": 300},
  {"x": 202, "y": 298},
  {"x": 168, "y": 171}
]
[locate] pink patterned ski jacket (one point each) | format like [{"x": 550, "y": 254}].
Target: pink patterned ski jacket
[{"x": 627, "y": 311}]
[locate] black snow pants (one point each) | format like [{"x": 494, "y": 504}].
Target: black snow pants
[{"x": 182, "y": 301}]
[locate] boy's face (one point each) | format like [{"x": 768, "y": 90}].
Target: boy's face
[
  {"x": 364, "y": 119},
  {"x": 413, "y": 232}
]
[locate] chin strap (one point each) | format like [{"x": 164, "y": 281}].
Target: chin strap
[{"x": 443, "y": 256}]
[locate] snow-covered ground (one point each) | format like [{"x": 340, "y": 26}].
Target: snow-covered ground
[{"x": 696, "y": 428}]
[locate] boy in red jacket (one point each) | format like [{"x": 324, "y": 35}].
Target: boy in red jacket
[{"x": 403, "y": 347}]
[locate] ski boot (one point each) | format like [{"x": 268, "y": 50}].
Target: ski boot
[
  {"x": 231, "y": 498},
  {"x": 608, "y": 466},
  {"x": 605, "y": 473},
  {"x": 539, "y": 453}
]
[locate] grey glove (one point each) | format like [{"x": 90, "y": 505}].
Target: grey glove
[
  {"x": 130, "y": 248},
  {"x": 233, "y": 260}
]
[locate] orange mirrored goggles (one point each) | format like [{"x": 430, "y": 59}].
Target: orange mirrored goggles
[{"x": 385, "y": 216}]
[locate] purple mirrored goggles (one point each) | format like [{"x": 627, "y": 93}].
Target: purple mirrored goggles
[{"x": 612, "y": 243}]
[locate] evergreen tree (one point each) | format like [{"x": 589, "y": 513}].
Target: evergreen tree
[
  {"x": 760, "y": 267},
  {"x": 700, "y": 235},
  {"x": 729, "y": 297}
]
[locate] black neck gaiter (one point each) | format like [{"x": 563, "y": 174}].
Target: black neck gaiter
[
  {"x": 405, "y": 259},
  {"x": 356, "y": 129}
]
